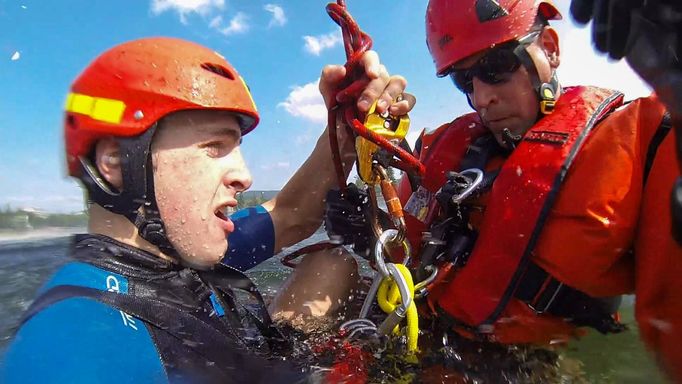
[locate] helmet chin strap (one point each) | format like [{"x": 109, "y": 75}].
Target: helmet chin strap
[
  {"x": 137, "y": 200},
  {"x": 547, "y": 92}
]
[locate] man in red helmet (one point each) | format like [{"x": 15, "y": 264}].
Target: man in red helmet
[
  {"x": 534, "y": 207},
  {"x": 153, "y": 130}
]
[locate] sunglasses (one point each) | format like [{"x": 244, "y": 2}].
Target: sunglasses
[{"x": 495, "y": 67}]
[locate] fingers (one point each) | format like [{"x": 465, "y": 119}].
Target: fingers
[
  {"x": 370, "y": 61},
  {"x": 393, "y": 90},
  {"x": 582, "y": 10},
  {"x": 600, "y": 26},
  {"x": 330, "y": 78},
  {"x": 374, "y": 90},
  {"x": 375, "y": 86},
  {"x": 620, "y": 26},
  {"x": 402, "y": 107}
]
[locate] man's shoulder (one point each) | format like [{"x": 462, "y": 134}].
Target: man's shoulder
[{"x": 81, "y": 339}]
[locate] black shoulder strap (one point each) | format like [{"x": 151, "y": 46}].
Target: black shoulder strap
[
  {"x": 411, "y": 177},
  {"x": 224, "y": 352},
  {"x": 659, "y": 136}
]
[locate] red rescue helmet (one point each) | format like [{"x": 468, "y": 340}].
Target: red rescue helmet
[
  {"x": 127, "y": 89},
  {"x": 456, "y": 29}
]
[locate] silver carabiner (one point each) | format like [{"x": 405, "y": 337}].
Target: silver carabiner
[
  {"x": 355, "y": 326},
  {"x": 395, "y": 317},
  {"x": 388, "y": 236},
  {"x": 472, "y": 187},
  {"x": 420, "y": 288}
]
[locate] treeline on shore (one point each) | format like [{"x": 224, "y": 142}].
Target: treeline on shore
[
  {"x": 26, "y": 219},
  {"x": 20, "y": 219}
]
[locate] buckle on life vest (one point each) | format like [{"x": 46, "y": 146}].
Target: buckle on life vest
[
  {"x": 542, "y": 302},
  {"x": 538, "y": 289},
  {"x": 547, "y": 106},
  {"x": 545, "y": 294}
]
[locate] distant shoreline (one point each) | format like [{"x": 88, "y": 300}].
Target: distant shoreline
[{"x": 14, "y": 236}]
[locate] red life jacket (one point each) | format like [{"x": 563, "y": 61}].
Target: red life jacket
[{"x": 519, "y": 202}]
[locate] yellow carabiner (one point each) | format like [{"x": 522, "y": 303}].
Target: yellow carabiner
[
  {"x": 388, "y": 297},
  {"x": 388, "y": 126}
]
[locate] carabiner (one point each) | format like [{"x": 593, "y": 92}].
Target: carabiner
[
  {"x": 397, "y": 311},
  {"x": 420, "y": 288},
  {"x": 472, "y": 186},
  {"x": 388, "y": 236}
]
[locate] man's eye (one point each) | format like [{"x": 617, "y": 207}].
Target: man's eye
[{"x": 216, "y": 148}]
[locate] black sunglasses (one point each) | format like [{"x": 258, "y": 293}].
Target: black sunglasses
[{"x": 494, "y": 68}]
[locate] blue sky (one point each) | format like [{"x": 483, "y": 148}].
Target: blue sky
[{"x": 278, "y": 47}]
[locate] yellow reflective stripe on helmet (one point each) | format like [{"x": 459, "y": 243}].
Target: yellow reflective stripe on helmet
[
  {"x": 248, "y": 92},
  {"x": 98, "y": 108}
]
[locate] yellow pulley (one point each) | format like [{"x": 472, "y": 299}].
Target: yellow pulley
[{"x": 386, "y": 125}]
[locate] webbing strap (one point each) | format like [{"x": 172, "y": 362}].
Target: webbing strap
[
  {"x": 659, "y": 136},
  {"x": 545, "y": 294}
]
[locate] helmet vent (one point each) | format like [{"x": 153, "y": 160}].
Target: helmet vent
[
  {"x": 218, "y": 70},
  {"x": 488, "y": 10}
]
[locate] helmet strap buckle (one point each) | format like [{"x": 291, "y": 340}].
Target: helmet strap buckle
[{"x": 548, "y": 95}]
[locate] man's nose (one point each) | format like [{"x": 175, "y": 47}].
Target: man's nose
[
  {"x": 483, "y": 94},
  {"x": 238, "y": 177}
]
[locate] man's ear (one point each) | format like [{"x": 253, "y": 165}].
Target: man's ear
[
  {"x": 108, "y": 161},
  {"x": 549, "y": 41}
]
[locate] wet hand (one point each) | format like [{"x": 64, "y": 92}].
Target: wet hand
[{"x": 374, "y": 84}]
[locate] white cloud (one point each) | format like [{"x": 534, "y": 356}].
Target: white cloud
[
  {"x": 277, "y": 165},
  {"x": 278, "y": 16},
  {"x": 215, "y": 22},
  {"x": 16, "y": 56},
  {"x": 306, "y": 102},
  {"x": 186, "y": 7},
  {"x": 238, "y": 24},
  {"x": 316, "y": 44}
]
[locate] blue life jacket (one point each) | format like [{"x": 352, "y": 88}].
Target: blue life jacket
[{"x": 118, "y": 314}]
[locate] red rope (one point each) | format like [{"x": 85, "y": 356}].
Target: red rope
[{"x": 356, "y": 43}]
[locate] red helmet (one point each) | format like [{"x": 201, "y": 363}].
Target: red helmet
[
  {"x": 456, "y": 29},
  {"x": 131, "y": 86}
]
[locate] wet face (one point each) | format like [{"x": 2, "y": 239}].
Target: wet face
[
  {"x": 198, "y": 169},
  {"x": 513, "y": 103}
]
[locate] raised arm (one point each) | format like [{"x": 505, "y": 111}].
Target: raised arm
[{"x": 298, "y": 209}]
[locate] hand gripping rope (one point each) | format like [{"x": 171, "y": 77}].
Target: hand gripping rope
[
  {"x": 377, "y": 147},
  {"x": 356, "y": 43},
  {"x": 384, "y": 131}
]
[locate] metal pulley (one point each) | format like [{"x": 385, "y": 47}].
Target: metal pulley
[{"x": 391, "y": 128}]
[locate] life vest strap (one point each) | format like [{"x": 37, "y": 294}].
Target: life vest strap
[{"x": 545, "y": 294}]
